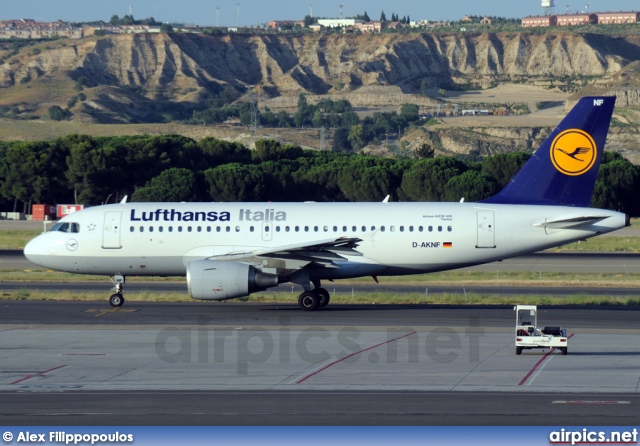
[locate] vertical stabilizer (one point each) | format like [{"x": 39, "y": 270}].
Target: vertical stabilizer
[{"x": 563, "y": 170}]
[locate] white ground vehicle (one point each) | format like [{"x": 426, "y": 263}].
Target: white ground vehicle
[{"x": 528, "y": 335}]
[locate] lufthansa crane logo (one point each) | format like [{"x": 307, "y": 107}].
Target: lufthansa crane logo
[{"x": 573, "y": 152}]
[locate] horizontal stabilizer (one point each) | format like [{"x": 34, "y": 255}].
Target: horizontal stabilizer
[{"x": 572, "y": 223}]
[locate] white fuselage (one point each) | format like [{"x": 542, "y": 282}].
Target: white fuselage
[{"x": 396, "y": 238}]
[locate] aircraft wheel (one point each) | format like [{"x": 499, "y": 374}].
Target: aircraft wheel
[
  {"x": 309, "y": 301},
  {"x": 518, "y": 350},
  {"x": 324, "y": 297},
  {"x": 116, "y": 300}
]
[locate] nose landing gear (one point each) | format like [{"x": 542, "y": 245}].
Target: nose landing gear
[{"x": 117, "y": 299}]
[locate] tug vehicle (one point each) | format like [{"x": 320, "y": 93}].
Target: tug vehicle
[{"x": 529, "y": 335}]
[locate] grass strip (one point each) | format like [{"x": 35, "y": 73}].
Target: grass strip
[{"x": 340, "y": 298}]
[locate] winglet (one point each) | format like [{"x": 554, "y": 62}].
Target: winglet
[{"x": 563, "y": 170}]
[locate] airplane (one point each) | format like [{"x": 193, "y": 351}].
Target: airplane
[{"x": 230, "y": 250}]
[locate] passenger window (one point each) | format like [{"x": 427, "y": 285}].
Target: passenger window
[
  {"x": 160, "y": 229},
  {"x": 392, "y": 228},
  {"x": 449, "y": 228},
  {"x": 277, "y": 228},
  {"x": 373, "y": 228},
  {"x": 344, "y": 229},
  {"x": 306, "y": 229},
  {"x": 208, "y": 228},
  {"x": 420, "y": 228},
  {"x": 410, "y": 228},
  {"x": 430, "y": 228},
  {"x": 354, "y": 229},
  {"x": 335, "y": 229},
  {"x": 188, "y": 228},
  {"x": 439, "y": 228},
  {"x": 141, "y": 228},
  {"x": 228, "y": 228},
  {"x": 364, "y": 229},
  {"x": 251, "y": 229},
  {"x": 217, "y": 228},
  {"x": 297, "y": 228},
  {"x": 170, "y": 228},
  {"x": 401, "y": 228},
  {"x": 179, "y": 228},
  {"x": 238, "y": 228},
  {"x": 199, "y": 228},
  {"x": 326, "y": 228},
  {"x": 382, "y": 228},
  {"x": 286, "y": 229},
  {"x": 315, "y": 229},
  {"x": 131, "y": 229}
]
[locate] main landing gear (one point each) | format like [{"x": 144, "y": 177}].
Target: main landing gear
[
  {"x": 117, "y": 299},
  {"x": 311, "y": 300}
]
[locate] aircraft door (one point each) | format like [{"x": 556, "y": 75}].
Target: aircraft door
[
  {"x": 486, "y": 230},
  {"x": 267, "y": 231},
  {"x": 111, "y": 231}
]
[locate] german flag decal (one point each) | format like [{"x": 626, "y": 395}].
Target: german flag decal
[{"x": 447, "y": 245}]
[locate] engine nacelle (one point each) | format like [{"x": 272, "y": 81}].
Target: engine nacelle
[{"x": 220, "y": 280}]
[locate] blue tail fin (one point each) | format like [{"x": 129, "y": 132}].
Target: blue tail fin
[{"x": 563, "y": 170}]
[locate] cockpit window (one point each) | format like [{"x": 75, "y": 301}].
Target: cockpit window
[{"x": 66, "y": 227}]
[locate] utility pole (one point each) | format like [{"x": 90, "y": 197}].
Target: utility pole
[
  {"x": 311, "y": 11},
  {"x": 217, "y": 16}
]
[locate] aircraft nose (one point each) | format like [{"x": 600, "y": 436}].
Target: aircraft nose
[{"x": 34, "y": 251}]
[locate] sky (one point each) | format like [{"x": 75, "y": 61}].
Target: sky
[{"x": 255, "y": 12}]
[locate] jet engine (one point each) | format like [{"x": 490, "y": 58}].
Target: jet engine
[{"x": 220, "y": 280}]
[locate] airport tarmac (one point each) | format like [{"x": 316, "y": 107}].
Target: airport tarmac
[{"x": 243, "y": 363}]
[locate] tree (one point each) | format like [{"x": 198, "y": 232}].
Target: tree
[
  {"x": 341, "y": 140},
  {"x": 471, "y": 185},
  {"x": 216, "y": 152},
  {"x": 425, "y": 180},
  {"x": 356, "y": 137},
  {"x": 166, "y": 28},
  {"x": 366, "y": 18},
  {"x": 173, "y": 184},
  {"x": 616, "y": 186},
  {"x": 308, "y": 20},
  {"x": 33, "y": 172},
  {"x": 284, "y": 120},
  {"x": 504, "y": 166},
  {"x": 235, "y": 182},
  {"x": 424, "y": 87},
  {"x": 383, "y": 17},
  {"x": 425, "y": 151},
  {"x": 57, "y": 113},
  {"x": 411, "y": 112}
]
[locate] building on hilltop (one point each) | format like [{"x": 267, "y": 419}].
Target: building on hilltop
[
  {"x": 577, "y": 19},
  {"x": 338, "y": 23},
  {"x": 281, "y": 24},
  {"x": 535, "y": 21},
  {"x": 607, "y": 18}
]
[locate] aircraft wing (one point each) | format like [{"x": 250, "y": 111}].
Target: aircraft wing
[{"x": 321, "y": 253}]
